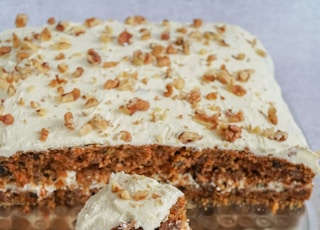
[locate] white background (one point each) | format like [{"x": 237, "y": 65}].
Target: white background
[{"x": 289, "y": 29}]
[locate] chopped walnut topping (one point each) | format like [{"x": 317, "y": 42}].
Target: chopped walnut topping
[
  {"x": 157, "y": 50},
  {"x": 57, "y": 81},
  {"x": 212, "y": 96},
  {"x": 187, "y": 136},
  {"x": 182, "y": 30},
  {"x": 4, "y": 50},
  {"x": 7, "y": 119},
  {"x": 178, "y": 83},
  {"x": 15, "y": 41},
  {"x": 44, "y": 133},
  {"x": 21, "y": 55},
  {"x": 140, "y": 195},
  {"x": 230, "y": 133},
  {"x": 124, "y": 195},
  {"x": 140, "y": 58},
  {"x": 51, "y": 21},
  {"x": 124, "y": 38},
  {"x": 197, "y": 22},
  {"x": 63, "y": 67},
  {"x": 45, "y": 35},
  {"x": 243, "y": 75},
  {"x": 34, "y": 104},
  {"x": 163, "y": 61},
  {"x": 115, "y": 187},
  {"x": 272, "y": 115},
  {"x": 111, "y": 84},
  {"x": 60, "y": 56},
  {"x": 125, "y": 136},
  {"x": 278, "y": 136},
  {"x": 106, "y": 36},
  {"x": 68, "y": 120},
  {"x": 134, "y": 105},
  {"x": 238, "y": 90},
  {"x": 194, "y": 96},
  {"x": 239, "y": 56},
  {"x": 42, "y": 112},
  {"x": 77, "y": 30},
  {"x": 61, "y": 45},
  {"x": 171, "y": 49},
  {"x": 210, "y": 59},
  {"x": 186, "y": 47},
  {"x": 99, "y": 123},
  {"x": 169, "y": 90},
  {"x": 21, "y": 20},
  {"x": 211, "y": 122},
  {"x": 165, "y": 35},
  {"x": 110, "y": 64},
  {"x": 91, "y": 102},
  {"x": 234, "y": 117},
  {"x": 261, "y": 52},
  {"x": 93, "y": 57},
  {"x": 145, "y": 34},
  {"x": 78, "y": 72},
  {"x": 92, "y": 22},
  {"x": 11, "y": 90},
  {"x": 70, "y": 96},
  {"x": 62, "y": 26},
  {"x": 135, "y": 20}
]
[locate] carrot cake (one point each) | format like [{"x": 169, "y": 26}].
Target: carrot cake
[
  {"x": 193, "y": 104},
  {"x": 134, "y": 202}
]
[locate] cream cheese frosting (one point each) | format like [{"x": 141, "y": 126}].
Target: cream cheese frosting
[
  {"x": 200, "y": 85},
  {"x": 126, "y": 199}
]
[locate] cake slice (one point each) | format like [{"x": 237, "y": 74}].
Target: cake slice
[
  {"x": 192, "y": 104},
  {"x": 134, "y": 202}
]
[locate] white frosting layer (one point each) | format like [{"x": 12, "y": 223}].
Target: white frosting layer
[
  {"x": 167, "y": 117},
  {"x": 106, "y": 210}
]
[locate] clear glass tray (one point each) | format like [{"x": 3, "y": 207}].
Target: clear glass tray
[{"x": 234, "y": 217}]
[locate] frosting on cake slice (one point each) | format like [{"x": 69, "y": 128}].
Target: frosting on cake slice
[{"x": 133, "y": 200}]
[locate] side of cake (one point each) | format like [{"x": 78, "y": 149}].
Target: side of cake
[
  {"x": 134, "y": 202},
  {"x": 193, "y": 104}
]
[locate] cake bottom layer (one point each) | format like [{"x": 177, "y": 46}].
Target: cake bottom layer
[{"x": 216, "y": 177}]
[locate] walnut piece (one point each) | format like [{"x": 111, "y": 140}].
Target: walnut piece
[
  {"x": 231, "y": 132},
  {"x": 21, "y": 20},
  {"x": 237, "y": 90},
  {"x": 111, "y": 83},
  {"x": 70, "y": 96},
  {"x": 45, "y": 35},
  {"x": 169, "y": 90},
  {"x": 7, "y": 119},
  {"x": 78, "y": 72},
  {"x": 188, "y": 136},
  {"x": 272, "y": 115},
  {"x": 134, "y": 105},
  {"x": 99, "y": 123},
  {"x": 44, "y": 133},
  {"x": 125, "y": 136},
  {"x": 140, "y": 195},
  {"x": 91, "y": 102},
  {"x": 4, "y": 50},
  {"x": 124, "y": 38},
  {"x": 93, "y": 57},
  {"x": 92, "y": 22},
  {"x": 197, "y": 22},
  {"x": 234, "y": 117},
  {"x": 68, "y": 120},
  {"x": 110, "y": 64},
  {"x": 163, "y": 61},
  {"x": 135, "y": 20}
]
